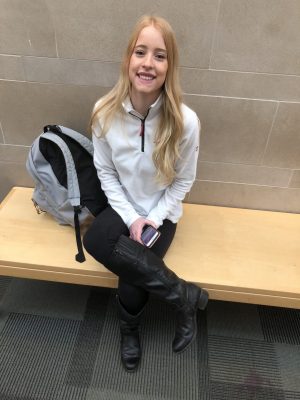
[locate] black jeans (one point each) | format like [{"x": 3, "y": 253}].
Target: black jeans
[{"x": 100, "y": 239}]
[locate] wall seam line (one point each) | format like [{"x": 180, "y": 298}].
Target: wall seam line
[
  {"x": 2, "y": 133},
  {"x": 215, "y": 33},
  {"x": 16, "y": 145},
  {"x": 246, "y": 184},
  {"x": 269, "y": 135},
  {"x": 235, "y": 71},
  {"x": 241, "y": 98},
  {"x": 244, "y": 164},
  {"x": 291, "y": 177}
]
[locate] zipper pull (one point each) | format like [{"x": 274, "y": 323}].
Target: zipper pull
[
  {"x": 142, "y": 135},
  {"x": 38, "y": 209}
]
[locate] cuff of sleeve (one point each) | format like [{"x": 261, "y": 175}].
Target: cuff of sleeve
[
  {"x": 156, "y": 219},
  {"x": 131, "y": 219}
]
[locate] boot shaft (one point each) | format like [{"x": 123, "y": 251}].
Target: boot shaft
[
  {"x": 138, "y": 265},
  {"x": 128, "y": 323}
]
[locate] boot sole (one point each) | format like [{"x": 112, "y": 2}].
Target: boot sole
[{"x": 130, "y": 371}]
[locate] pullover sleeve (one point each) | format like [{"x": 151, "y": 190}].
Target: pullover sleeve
[
  {"x": 186, "y": 168},
  {"x": 110, "y": 183}
]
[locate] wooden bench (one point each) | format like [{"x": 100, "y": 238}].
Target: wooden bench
[{"x": 238, "y": 255}]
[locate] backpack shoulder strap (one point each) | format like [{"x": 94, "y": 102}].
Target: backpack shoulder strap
[
  {"x": 73, "y": 185},
  {"x": 81, "y": 139},
  {"x": 73, "y": 188}
]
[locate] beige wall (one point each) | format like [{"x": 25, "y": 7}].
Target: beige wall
[{"x": 240, "y": 69}]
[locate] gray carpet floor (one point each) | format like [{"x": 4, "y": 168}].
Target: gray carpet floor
[{"x": 60, "y": 341}]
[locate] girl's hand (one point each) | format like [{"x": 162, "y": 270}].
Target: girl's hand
[{"x": 137, "y": 226}]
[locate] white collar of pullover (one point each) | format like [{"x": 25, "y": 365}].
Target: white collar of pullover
[{"x": 153, "y": 109}]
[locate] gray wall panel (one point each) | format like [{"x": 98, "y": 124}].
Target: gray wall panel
[{"x": 240, "y": 71}]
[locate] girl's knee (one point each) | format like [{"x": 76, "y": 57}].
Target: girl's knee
[
  {"x": 95, "y": 246},
  {"x": 102, "y": 235},
  {"x": 88, "y": 242}
]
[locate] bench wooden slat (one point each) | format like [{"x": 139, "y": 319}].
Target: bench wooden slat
[{"x": 238, "y": 255}]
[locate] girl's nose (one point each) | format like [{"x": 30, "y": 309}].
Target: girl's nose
[{"x": 148, "y": 62}]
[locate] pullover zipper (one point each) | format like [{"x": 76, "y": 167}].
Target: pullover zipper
[{"x": 142, "y": 131}]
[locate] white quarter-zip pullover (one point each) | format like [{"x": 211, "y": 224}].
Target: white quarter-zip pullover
[{"x": 123, "y": 159}]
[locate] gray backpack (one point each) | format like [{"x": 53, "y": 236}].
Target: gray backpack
[{"x": 60, "y": 162}]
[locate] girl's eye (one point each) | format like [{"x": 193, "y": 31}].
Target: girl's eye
[
  {"x": 139, "y": 52},
  {"x": 161, "y": 56}
]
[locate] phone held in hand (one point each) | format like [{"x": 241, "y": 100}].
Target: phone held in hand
[{"x": 149, "y": 235}]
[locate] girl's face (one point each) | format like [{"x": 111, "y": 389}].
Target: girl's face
[{"x": 148, "y": 64}]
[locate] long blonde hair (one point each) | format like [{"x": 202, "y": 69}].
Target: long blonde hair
[{"x": 170, "y": 129}]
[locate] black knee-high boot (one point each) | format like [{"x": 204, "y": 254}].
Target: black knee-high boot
[
  {"x": 130, "y": 341},
  {"x": 137, "y": 264}
]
